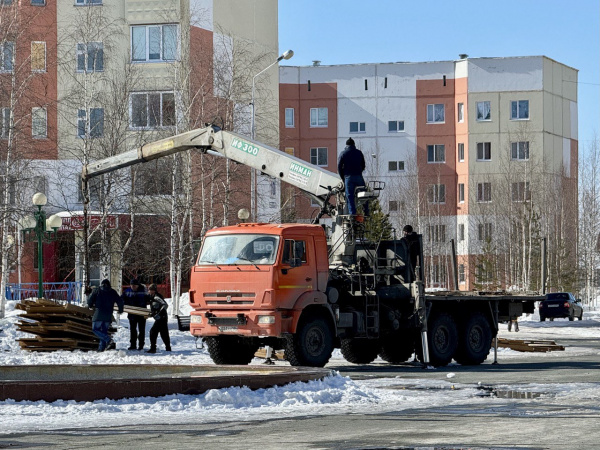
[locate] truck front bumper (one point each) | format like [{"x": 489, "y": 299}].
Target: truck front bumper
[{"x": 247, "y": 323}]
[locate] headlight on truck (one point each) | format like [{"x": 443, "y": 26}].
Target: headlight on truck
[
  {"x": 196, "y": 319},
  {"x": 266, "y": 319}
]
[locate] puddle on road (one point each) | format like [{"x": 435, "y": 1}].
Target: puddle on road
[
  {"x": 489, "y": 391},
  {"x": 482, "y": 391}
]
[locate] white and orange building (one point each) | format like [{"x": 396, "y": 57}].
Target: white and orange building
[{"x": 461, "y": 144}]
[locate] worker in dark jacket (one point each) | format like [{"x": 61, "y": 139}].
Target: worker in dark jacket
[
  {"x": 104, "y": 300},
  {"x": 158, "y": 309},
  {"x": 411, "y": 241},
  {"x": 351, "y": 164},
  {"x": 135, "y": 295}
]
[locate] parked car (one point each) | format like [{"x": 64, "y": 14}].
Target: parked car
[{"x": 560, "y": 304}]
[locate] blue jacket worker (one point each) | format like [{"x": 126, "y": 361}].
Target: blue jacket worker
[
  {"x": 351, "y": 164},
  {"x": 103, "y": 300},
  {"x": 158, "y": 309},
  {"x": 135, "y": 295}
]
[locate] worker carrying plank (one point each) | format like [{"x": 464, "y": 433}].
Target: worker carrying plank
[{"x": 103, "y": 300}]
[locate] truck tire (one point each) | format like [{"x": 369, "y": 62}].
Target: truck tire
[
  {"x": 474, "y": 340},
  {"x": 442, "y": 340},
  {"x": 360, "y": 351},
  {"x": 230, "y": 350},
  {"x": 398, "y": 348},
  {"x": 312, "y": 344},
  {"x": 572, "y": 316},
  {"x": 542, "y": 318}
]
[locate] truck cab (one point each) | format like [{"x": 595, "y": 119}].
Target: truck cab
[{"x": 255, "y": 280}]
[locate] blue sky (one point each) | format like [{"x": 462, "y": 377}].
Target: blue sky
[{"x": 370, "y": 31}]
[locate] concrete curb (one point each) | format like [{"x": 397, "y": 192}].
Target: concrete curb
[{"x": 94, "y": 382}]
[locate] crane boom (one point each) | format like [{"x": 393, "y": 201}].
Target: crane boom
[{"x": 314, "y": 180}]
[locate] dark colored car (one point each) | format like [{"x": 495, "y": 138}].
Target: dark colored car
[{"x": 560, "y": 304}]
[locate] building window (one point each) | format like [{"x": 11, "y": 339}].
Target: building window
[
  {"x": 436, "y": 153},
  {"x": 396, "y": 166},
  {"x": 461, "y": 152},
  {"x": 94, "y": 127},
  {"x": 438, "y": 273},
  {"x": 393, "y": 205},
  {"x": 38, "y": 2},
  {"x": 435, "y": 113},
  {"x": 40, "y": 184},
  {"x": 436, "y": 233},
  {"x": 519, "y": 110},
  {"x": 519, "y": 150},
  {"x": 521, "y": 191},
  {"x": 484, "y": 111},
  {"x": 318, "y": 117},
  {"x": 460, "y": 111},
  {"x": 5, "y": 122},
  {"x": 273, "y": 187},
  {"x": 289, "y": 118},
  {"x": 318, "y": 156},
  {"x": 436, "y": 193},
  {"x": 357, "y": 127},
  {"x": 484, "y": 151},
  {"x": 461, "y": 232},
  {"x": 12, "y": 189},
  {"x": 154, "y": 43},
  {"x": 152, "y": 110},
  {"x": 485, "y": 232},
  {"x": 395, "y": 126},
  {"x": 7, "y": 53},
  {"x": 484, "y": 192},
  {"x": 38, "y": 56},
  {"x": 461, "y": 274},
  {"x": 39, "y": 124},
  {"x": 461, "y": 192},
  {"x": 88, "y": 2},
  {"x": 90, "y": 57}
]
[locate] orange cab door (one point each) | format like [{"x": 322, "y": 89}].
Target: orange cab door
[{"x": 297, "y": 272}]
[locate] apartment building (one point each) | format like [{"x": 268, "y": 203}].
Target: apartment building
[
  {"x": 105, "y": 76},
  {"x": 478, "y": 150}
]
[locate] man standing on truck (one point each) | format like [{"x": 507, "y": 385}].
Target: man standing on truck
[
  {"x": 351, "y": 164},
  {"x": 135, "y": 295},
  {"x": 411, "y": 241}
]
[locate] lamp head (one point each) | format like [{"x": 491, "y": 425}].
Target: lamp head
[
  {"x": 286, "y": 55},
  {"x": 54, "y": 222},
  {"x": 39, "y": 199},
  {"x": 243, "y": 214}
]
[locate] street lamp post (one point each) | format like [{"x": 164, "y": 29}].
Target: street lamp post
[
  {"x": 285, "y": 55},
  {"x": 37, "y": 228}
]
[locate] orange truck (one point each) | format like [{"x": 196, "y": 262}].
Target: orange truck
[{"x": 310, "y": 288}]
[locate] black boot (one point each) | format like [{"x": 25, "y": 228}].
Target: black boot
[{"x": 152, "y": 350}]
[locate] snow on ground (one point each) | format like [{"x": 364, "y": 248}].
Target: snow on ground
[{"x": 335, "y": 394}]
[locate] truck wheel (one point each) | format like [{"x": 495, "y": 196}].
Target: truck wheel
[
  {"x": 398, "y": 348},
  {"x": 442, "y": 339},
  {"x": 542, "y": 318},
  {"x": 572, "y": 316},
  {"x": 312, "y": 344},
  {"x": 360, "y": 351},
  {"x": 580, "y": 316},
  {"x": 475, "y": 340},
  {"x": 230, "y": 350}
]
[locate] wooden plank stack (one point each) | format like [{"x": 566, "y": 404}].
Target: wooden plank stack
[
  {"x": 529, "y": 345},
  {"x": 57, "y": 326}
]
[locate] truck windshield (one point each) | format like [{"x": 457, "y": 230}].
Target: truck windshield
[{"x": 239, "y": 249}]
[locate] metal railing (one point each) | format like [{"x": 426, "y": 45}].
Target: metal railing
[{"x": 69, "y": 292}]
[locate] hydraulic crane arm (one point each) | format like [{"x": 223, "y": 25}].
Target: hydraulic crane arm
[{"x": 319, "y": 183}]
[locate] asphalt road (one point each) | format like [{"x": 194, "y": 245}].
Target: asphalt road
[{"x": 519, "y": 423}]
